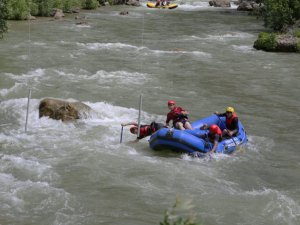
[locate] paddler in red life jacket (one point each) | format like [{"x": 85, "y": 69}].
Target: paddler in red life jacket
[
  {"x": 145, "y": 130},
  {"x": 214, "y": 135},
  {"x": 179, "y": 116},
  {"x": 232, "y": 122}
]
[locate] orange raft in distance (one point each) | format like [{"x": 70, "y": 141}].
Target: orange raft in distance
[{"x": 169, "y": 6}]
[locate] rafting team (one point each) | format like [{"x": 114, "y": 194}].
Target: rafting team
[{"x": 179, "y": 117}]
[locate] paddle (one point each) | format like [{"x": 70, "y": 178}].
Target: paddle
[
  {"x": 121, "y": 134},
  {"x": 226, "y": 129}
]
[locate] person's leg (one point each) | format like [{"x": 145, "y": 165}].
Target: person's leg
[
  {"x": 179, "y": 126},
  {"x": 188, "y": 126}
]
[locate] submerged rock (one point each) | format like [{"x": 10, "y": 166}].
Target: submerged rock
[{"x": 63, "y": 110}]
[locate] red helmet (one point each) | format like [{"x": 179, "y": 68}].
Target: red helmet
[
  {"x": 132, "y": 129},
  {"x": 213, "y": 129},
  {"x": 171, "y": 102}
]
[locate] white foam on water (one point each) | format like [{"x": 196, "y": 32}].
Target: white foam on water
[
  {"x": 15, "y": 196},
  {"x": 104, "y": 77},
  {"x": 15, "y": 88},
  {"x": 191, "y": 5},
  {"x": 33, "y": 75},
  {"x": 33, "y": 44},
  {"x": 30, "y": 168},
  {"x": 229, "y": 36},
  {"x": 23, "y": 57},
  {"x": 244, "y": 48},
  {"x": 218, "y": 37},
  {"x": 282, "y": 207},
  {"x": 180, "y": 51},
  {"x": 260, "y": 144},
  {"x": 113, "y": 46}
]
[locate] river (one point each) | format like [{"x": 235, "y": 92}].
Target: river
[{"x": 201, "y": 57}]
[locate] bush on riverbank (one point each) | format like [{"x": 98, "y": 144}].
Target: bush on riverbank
[
  {"x": 278, "y": 42},
  {"x": 21, "y": 9},
  {"x": 3, "y": 15},
  {"x": 266, "y": 41},
  {"x": 279, "y": 14},
  {"x": 282, "y": 17}
]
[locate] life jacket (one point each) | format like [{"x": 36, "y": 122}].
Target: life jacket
[
  {"x": 146, "y": 130},
  {"x": 178, "y": 116},
  {"x": 212, "y": 136},
  {"x": 229, "y": 121}
]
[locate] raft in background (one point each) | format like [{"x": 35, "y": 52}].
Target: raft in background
[
  {"x": 153, "y": 5},
  {"x": 189, "y": 141}
]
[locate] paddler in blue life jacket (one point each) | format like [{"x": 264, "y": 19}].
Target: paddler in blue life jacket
[
  {"x": 145, "y": 130},
  {"x": 232, "y": 122},
  {"x": 214, "y": 135}
]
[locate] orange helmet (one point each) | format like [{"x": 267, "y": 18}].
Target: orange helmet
[
  {"x": 213, "y": 128},
  {"x": 171, "y": 102}
]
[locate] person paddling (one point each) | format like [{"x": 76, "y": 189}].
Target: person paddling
[
  {"x": 145, "y": 130},
  {"x": 214, "y": 135},
  {"x": 179, "y": 116},
  {"x": 232, "y": 122},
  {"x": 162, "y": 3}
]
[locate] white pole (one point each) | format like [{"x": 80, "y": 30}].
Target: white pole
[
  {"x": 139, "y": 119},
  {"x": 28, "y": 102}
]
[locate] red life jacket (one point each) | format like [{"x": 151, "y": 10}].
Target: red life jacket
[
  {"x": 212, "y": 136},
  {"x": 175, "y": 115},
  {"x": 229, "y": 121},
  {"x": 146, "y": 130}
]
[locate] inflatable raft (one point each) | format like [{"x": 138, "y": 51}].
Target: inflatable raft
[
  {"x": 169, "y": 6},
  {"x": 189, "y": 141}
]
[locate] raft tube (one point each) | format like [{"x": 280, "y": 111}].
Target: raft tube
[{"x": 189, "y": 141}]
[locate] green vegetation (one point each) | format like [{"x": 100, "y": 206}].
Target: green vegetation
[
  {"x": 3, "y": 16},
  {"x": 266, "y": 41},
  {"x": 297, "y": 33},
  {"x": 179, "y": 214},
  {"x": 90, "y": 4},
  {"x": 21, "y": 9},
  {"x": 280, "y": 14}
]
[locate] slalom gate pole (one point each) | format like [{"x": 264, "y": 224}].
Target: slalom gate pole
[
  {"x": 139, "y": 118},
  {"x": 27, "y": 111},
  {"x": 121, "y": 137}
]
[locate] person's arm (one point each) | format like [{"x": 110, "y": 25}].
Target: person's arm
[
  {"x": 168, "y": 119},
  {"x": 216, "y": 143},
  {"x": 235, "y": 125},
  {"x": 220, "y": 114},
  {"x": 213, "y": 150},
  {"x": 131, "y": 123},
  {"x": 184, "y": 112},
  {"x": 204, "y": 127}
]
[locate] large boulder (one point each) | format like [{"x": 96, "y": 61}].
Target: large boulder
[
  {"x": 63, "y": 110},
  {"x": 249, "y": 5},
  {"x": 220, "y": 3}
]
